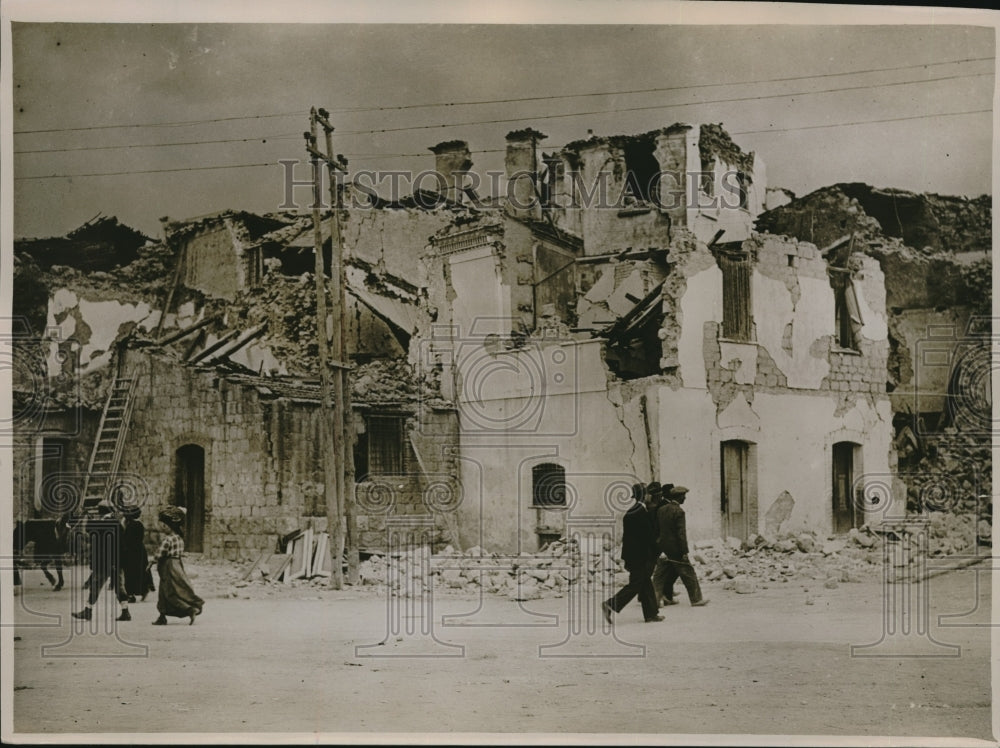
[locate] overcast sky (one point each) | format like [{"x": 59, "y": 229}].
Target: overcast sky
[{"x": 257, "y": 82}]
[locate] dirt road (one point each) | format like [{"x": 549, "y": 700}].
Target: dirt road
[{"x": 764, "y": 663}]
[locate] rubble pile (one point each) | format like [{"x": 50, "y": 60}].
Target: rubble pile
[
  {"x": 288, "y": 306},
  {"x": 950, "y": 483},
  {"x": 741, "y": 566},
  {"x": 745, "y": 566},
  {"x": 385, "y": 381},
  {"x": 547, "y": 573},
  {"x": 948, "y": 534}
]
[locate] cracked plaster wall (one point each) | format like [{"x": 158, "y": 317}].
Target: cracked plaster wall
[
  {"x": 95, "y": 324},
  {"x": 794, "y": 434},
  {"x": 548, "y": 402}
]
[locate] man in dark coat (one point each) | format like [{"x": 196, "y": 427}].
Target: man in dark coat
[
  {"x": 638, "y": 553},
  {"x": 662, "y": 563},
  {"x": 673, "y": 542},
  {"x": 105, "y": 559}
]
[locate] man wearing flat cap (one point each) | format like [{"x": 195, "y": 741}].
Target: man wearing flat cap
[
  {"x": 638, "y": 554},
  {"x": 672, "y": 527}
]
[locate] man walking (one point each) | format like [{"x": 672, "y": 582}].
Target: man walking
[
  {"x": 662, "y": 563},
  {"x": 105, "y": 559},
  {"x": 638, "y": 553},
  {"x": 672, "y": 526}
]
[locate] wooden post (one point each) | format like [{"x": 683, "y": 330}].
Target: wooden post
[
  {"x": 343, "y": 417},
  {"x": 328, "y": 432}
]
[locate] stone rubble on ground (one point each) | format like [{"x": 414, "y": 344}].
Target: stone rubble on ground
[{"x": 743, "y": 567}]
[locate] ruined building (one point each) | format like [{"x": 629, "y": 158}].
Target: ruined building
[
  {"x": 611, "y": 317},
  {"x": 936, "y": 254}
]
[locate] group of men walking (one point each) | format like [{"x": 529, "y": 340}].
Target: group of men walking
[{"x": 655, "y": 552}]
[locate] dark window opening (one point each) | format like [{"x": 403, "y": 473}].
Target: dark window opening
[
  {"x": 548, "y": 485},
  {"x": 296, "y": 260},
  {"x": 737, "y": 317},
  {"x": 379, "y": 450},
  {"x": 642, "y": 173}
]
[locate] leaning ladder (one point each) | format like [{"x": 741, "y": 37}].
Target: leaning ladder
[{"x": 107, "y": 454}]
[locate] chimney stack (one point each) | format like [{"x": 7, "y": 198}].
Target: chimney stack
[
  {"x": 522, "y": 167},
  {"x": 450, "y": 159}
]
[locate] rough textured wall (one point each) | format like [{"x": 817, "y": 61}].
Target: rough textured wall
[
  {"x": 392, "y": 240},
  {"x": 263, "y": 467},
  {"x": 210, "y": 263}
]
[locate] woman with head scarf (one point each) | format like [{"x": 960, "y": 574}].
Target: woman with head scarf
[
  {"x": 176, "y": 598},
  {"x": 135, "y": 560}
]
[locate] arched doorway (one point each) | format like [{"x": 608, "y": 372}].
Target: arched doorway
[{"x": 189, "y": 492}]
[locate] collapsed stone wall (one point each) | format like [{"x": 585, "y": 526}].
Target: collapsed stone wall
[{"x": 928, "y": 223}]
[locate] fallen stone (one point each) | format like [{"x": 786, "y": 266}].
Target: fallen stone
[
  {"x": 806, "y": 543},
  {"x": 831, "y": 584},
  {"x": 744, "y": 586},
  {"x": 833, "y": 546}
]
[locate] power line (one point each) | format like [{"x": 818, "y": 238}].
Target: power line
[
  {"x": 355, "y": 110},
  {"x": 863, "y": 122},
  {"x": 148, "y": 171},
  {"x": 520, "y": 119},
  {"x": 181, "y": 123},
  {"x": 656, "y": 106},
  {"x": 283, "y": 136},
  {"x": 424, "y": 155}
]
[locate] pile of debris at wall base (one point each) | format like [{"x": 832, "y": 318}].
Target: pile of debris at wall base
[
  {"x": 737, "y": 565},
  {"x": 897, "y": 554}
]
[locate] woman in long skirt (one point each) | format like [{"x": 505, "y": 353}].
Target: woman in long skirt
[
  {"x": 135, "y": 561},
  {"x": 176, "y": 598}
]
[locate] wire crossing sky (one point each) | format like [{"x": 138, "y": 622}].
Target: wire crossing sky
[{"x": 142, "y": 121}]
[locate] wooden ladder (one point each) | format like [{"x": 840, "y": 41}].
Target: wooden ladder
[{"x": 107, "y": 454}]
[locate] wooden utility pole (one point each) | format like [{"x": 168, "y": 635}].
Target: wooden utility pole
[
  {"x": 345, "y": 416},
  {"x": 330, "y": 445}
]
